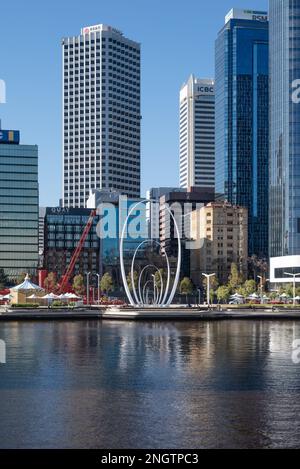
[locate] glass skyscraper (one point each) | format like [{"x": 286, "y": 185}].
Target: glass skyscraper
[
  {"x": 242, "y": 123},
  {"x": 285, "y": 128},
  {"x": 19, "y": 206}
]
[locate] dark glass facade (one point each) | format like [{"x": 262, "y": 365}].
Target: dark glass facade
[
  {"x": 19, "y": 208},
  {"x": 63, "y": 230},
  {"x": 242, "y": 123},
  {"x": 137, "y": 233},
  {"x": 285, "y": 128}
]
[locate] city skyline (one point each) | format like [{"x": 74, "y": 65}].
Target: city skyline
[{"x": 25, "y": 108}]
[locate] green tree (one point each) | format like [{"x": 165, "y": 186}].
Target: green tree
[
  {"x": 3, "y": 279},
  {"x": 186, "y": 287},
  {"x": 249, "y": 287},
  {"x": 106, "y": 283},
  {"x": 135, "y": 279},
  {"x": 157, "y": 277},
  {"x": 20, "y": 279},
  {"x": 235, "y": 277},
  {"x": 50, "y": 282},
  {"x": 223, "y": 294},
  {"x": 289, "y": 290},
  {"x": 78, "y": 285}
]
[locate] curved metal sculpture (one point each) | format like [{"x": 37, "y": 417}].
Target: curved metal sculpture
[{"x": 161, "y": 296}]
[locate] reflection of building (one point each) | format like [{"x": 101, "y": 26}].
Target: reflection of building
[
  {"x": 197, "y": 133},
  {"x": 19, "y": 205},
  {"x": 101, "y": 104},
  {"x": 181, "y": 205},
  {"x": 221, "y": 234},
  {"x": 284, "y": 127},
  {"x": 63, "y": 230},
  {"x": 242, "y": 119}
]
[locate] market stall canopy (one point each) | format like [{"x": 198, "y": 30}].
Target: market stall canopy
[
  {"x": 72, "y": 296},
  {"x": 253, "y": 296},
  {"x": 50, "y": 296},
  {"x": 27, "y": 285},
  {"x": 237, "y": 295}
]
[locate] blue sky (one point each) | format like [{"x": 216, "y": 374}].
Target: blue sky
[{"x": 177, "y": 39}]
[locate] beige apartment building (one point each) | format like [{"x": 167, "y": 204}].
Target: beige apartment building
[{"x": 220, "y": 232}]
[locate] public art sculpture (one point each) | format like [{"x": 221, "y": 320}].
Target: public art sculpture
[{"x": 139, "y": 297}]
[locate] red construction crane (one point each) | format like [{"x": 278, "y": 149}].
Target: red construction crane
[{"x": 66, "y": 277}]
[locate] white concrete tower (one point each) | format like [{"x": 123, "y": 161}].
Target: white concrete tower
[
  {"x": 197, "y": 133},
  {"x": 101, "y": 114}
]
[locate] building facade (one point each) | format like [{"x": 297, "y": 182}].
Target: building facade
[
  {"x": 42, "y": 214},
  {"x": 181, "y": 204},
  {"x": 112, "y": 210},
  {"x": 242, "y": 119},
  {"x": 19, "y": 206},
  {"x": 62, "y": 232},
  {"x": 284, "y": 224},
  {"x": 153, "y": 208},
  {"x": 101, "y": 114},
  {"x": 197, "y": 133},
  {"x": 220, "y": 231}
]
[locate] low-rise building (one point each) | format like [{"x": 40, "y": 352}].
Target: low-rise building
[
  {"x": 182, "y": 204},
  {"x": 220, "y": 231},
  {"x": 62, "y": 232}
]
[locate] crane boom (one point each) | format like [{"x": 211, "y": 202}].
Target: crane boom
[{"x": 76, "y": 254}]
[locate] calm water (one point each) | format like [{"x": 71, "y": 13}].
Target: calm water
[{"x": 130, "y": 385}]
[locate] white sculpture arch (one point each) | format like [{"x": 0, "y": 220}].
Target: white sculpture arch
[{"x": 161, "y": 298}]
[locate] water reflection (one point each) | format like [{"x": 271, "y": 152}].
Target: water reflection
[{"x": 128, "y": 384}]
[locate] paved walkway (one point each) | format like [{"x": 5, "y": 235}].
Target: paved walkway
[{"x": 149, "y": 314}]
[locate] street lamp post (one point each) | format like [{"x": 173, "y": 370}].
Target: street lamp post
[
  {"x": 208, "y": 277},
  {"x": 199, "y": 292},
  {"x": 88, "y": 287},
  {"x": 98, "y": 287},
  {"x": 155, "y": 289},
  {"x": 261, "y": 288},
  {"x": 294, "y": 285}
]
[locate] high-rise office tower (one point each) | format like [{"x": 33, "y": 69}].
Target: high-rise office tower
[
  {"x": 242, "y": 123},
  {"x": 284, "y": 128},
  {"x": 19, "y": 205},
  {"x": 197, "y": 133},
  {"x": 101, "y": 114}
]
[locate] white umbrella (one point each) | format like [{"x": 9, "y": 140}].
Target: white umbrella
[
  {"x": 72, "y": 296},
  {"x": 50, "y": 296},
  {"x": 284, "y": 295},
  {"x": 236, "y": 295},
  {"x": 6, "y": 297}
]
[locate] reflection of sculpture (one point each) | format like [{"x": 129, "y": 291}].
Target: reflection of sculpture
[{"x": 161, "y": 296}]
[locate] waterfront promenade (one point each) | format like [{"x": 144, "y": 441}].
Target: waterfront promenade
[{"x": 147, "y": 314}]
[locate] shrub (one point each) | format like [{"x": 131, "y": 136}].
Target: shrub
[
  {"x": 25, "y": 306},
  {"x": 58, "y": 304}
]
